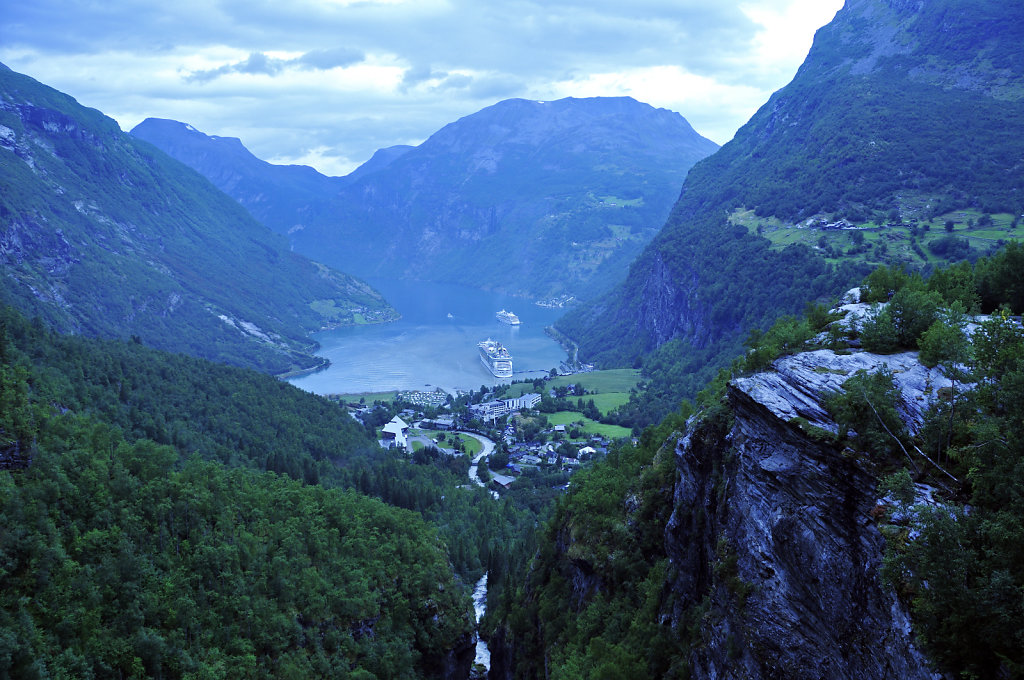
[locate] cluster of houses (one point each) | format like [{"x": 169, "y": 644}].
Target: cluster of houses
[{"x": 523, "y": 455}]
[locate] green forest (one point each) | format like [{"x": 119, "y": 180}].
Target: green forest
[{"x": 165, "y": 516}]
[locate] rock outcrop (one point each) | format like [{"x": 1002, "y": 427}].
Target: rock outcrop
[
  {"x": 771, "y": 535},
  {"x": 797, "y": 386}
]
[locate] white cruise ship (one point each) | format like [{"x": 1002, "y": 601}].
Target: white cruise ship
[
  {"x": 508, "y": 317},
  {"x": 496, "y": 358}
]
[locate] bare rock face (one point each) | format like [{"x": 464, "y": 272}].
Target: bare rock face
[
  {"x": 797, "y": 387},
  {"x": 777, "y": 558}
]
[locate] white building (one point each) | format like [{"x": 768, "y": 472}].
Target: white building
[
  {"x": 489, "y": 410},
  {"x": 395, "y": 433},
  {"x": 525, "y": 401}
]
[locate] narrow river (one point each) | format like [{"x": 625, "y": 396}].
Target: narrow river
[{"x": 483, "y": 654}]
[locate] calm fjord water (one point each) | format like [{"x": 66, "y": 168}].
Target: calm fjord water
[{"x": 426, "y": 348}]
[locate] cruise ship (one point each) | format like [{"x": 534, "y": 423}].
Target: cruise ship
[
  {"x": 496, "y": 358},
  {"x": 508, "y": 317}
]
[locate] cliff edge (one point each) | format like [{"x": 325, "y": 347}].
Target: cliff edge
[{"x": 772, "y": 534}]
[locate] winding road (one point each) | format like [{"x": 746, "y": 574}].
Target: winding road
[{"x": 488, "y": 448}]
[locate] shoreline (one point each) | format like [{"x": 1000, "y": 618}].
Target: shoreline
[
  {"x": 299, "y": 372},
  {"x": 325, "y": 363}
]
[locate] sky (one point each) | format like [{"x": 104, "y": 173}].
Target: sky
[{"x": 327, "y": 82}]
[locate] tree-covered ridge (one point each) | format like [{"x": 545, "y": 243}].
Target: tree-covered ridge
[
  {"x": 246, "y": 419},
  {"x": 282, "y": 197},
  {"x": 127, "y": 417},
  {"x": 105, "y": 235},
  {"x": 892, "y": 104},
  {"x": 115, "y": 562}
]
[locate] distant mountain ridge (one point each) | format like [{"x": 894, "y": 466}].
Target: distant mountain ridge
[
  {"x": 102, "y": 234},
  {"x": 534, "y": 198},
  {"x": 237, "y": 172},
  {"x": 902, "y": 111},
  {"x": 283, "y": 197}
]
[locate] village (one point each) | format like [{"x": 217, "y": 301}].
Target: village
[{"x": 546, "y": 428}]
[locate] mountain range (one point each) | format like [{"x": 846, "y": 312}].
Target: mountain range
[
  {"x": 533, "y": 198},
  {"x": 103, "y": 234}
]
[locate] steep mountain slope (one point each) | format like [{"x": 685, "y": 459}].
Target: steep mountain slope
[
  {"x": 535, "y": 198},
  {"x": 916, "y": 106},
  {"x": 902, "y": 110},
  {"x": 102, "y": 234}
]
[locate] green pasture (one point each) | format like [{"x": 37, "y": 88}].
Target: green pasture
[
  {"x": 897, "y": 240},
  {"x": 470, "y": 445},
  {"x": 601, "y": 382},
  {"x": 589, "y": 426}
]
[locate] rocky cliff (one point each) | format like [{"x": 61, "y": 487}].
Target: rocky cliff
[
  {"x": 746, "y": 541},
  {"x": 772, "y": 535}
]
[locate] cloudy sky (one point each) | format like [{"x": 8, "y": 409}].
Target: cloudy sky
[{"x": 327, "y": 82}]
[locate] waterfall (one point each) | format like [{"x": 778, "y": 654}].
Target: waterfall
[{"x": 483, "y": 654}]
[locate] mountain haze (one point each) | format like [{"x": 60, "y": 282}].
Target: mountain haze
[
  {"x": 283, "y": 197},
  {"x": 902, "y": 111},
  {"x": 534, "y": 198},
  {"x": 102, "y": 234}
]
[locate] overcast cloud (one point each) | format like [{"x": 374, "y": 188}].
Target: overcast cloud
[{"x": 327, "y": 82}]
